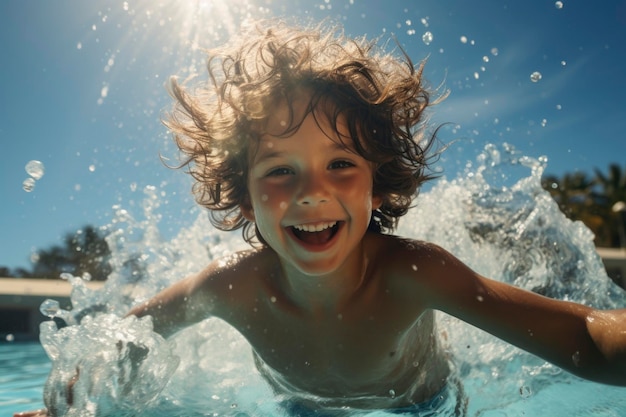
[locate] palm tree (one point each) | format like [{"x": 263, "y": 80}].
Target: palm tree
[
  {"x": 84, "y": 252},
  {"x": 610, "y": 191},
  {"x": 590, "y": 200}
]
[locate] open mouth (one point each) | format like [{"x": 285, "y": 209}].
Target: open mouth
[{"x": 317, "y": 234}]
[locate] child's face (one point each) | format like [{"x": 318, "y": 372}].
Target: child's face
[{"x": 311, "y": 197}]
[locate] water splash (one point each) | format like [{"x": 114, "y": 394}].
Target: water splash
[
  {"x": 28, "y": 185},
  {"x": 35, "y": 169},
  {"x": 509, "y": 219}
]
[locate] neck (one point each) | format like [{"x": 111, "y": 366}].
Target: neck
[{"x": 328, "y": 293}]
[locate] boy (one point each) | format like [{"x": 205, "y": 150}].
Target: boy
[{"x": 311, "y": 143}]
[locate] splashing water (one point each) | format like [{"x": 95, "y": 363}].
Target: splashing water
[
  {"x": 35, "y": 169},
  {"x": 517, "y": 229},
  {"x": 536, "y": 77}
]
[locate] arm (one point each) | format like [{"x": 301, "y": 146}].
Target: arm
[
  {"x": 584, "y": 341},
  {"x": 183, "y": 304}
]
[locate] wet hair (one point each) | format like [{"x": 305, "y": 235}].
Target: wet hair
[{"x": 379, "y": 97}]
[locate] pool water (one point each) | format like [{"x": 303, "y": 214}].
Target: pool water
[
  {"x": 207, "y": 370},
  {"x": 23, "y": 370}
]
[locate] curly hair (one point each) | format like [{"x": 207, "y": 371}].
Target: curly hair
[{"x": 380, "y": 97}]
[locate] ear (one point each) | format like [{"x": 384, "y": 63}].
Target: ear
[
  {"x": 247, "y": 210},
  {"x": 377, "y": 201}
]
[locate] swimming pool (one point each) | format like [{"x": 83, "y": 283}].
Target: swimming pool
[{"x": 521, "y": 235}]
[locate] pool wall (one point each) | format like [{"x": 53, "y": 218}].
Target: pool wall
[{"x": 20, "y": 299}]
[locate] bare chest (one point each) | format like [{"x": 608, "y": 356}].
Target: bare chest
[{"x": 347, "y": 354}]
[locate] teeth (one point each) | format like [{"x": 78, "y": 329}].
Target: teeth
[{"x": 314, "y": 227}]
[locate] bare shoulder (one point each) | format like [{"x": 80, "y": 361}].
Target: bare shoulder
[
  {"x": 403, "y": 254},
  {"x": 419, "y": 268},
  {"x": 236, "y": 271}
]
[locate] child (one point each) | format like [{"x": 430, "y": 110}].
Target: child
[{"x": 312, "y": 144}]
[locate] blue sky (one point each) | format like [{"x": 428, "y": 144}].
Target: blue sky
[{"x": 82, "y": 91}]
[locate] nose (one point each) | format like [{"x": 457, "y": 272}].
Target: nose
[{"x": 312, "y": 191}]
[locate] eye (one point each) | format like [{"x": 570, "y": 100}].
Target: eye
[
  {"x": 341, "y": 164},
  {"x": 277, "y": 172}
]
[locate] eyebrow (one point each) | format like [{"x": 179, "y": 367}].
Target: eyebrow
[{"x": 268, "y": 153}]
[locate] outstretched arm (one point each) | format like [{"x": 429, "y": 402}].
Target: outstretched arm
[{"x": 587, "y": 342}]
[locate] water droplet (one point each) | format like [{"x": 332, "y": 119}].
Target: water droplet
[
  {"x": 392, "y": 393},
  {"x": 416, "y": 364},
  {"x": 427, "y": 37},
  {"x": 535, "y": 76},
  {"x": 28, "y": 185},
  {"x": 463, "y": 39},
  {"x": 92, "y": 168},
  {"x": 576, "y": 358},
  {"x": 480, "y": 298},
  {"x": 414, "y": 267},
  {"x": 50, "y": 308},
  {"x": 525, "y": 391},
  {"x": 264, "y": 197},
  {"x": 558, "y": 4},
  {"x": 35, "y": 169},
  {"x": 273, "y": 299},
  {"x": 494, "y": 51},
  {"x": 10, "y": 338},
  {"x": 544, "y": 122}
]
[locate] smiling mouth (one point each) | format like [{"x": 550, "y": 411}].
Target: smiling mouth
[{"x": 318, "y": 234}]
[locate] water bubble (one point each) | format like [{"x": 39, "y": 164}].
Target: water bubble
[
  {"x": 558, "y": 4},
  {"x": 10, "y": 338},
  {"x": 544, "y": 122},
  {"x": 427, "y": 37},
  {"x": 525, "y": 391},
  {"x": 463, "y": 39},
  {"x": 494, "y": 51},
  {"x": 50, "y": 308},
  {"x": 35, "y": 169},
  {"x": 28, "y": 185},
  {"x": 392, "y": 393},
  {"x": 535, "y": 76}
]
